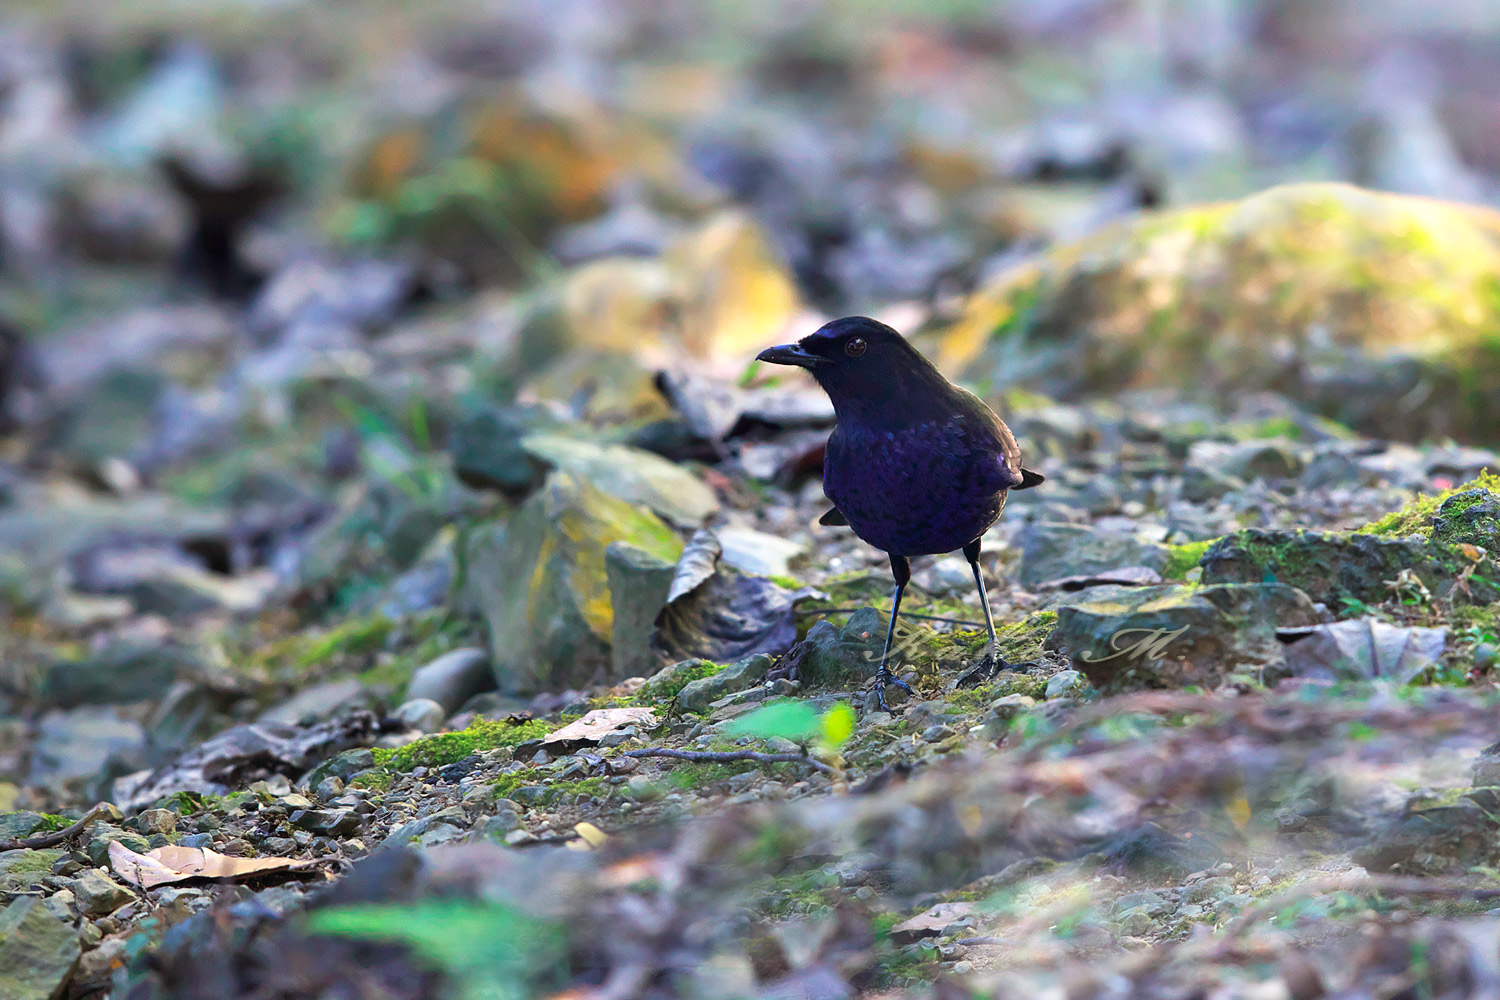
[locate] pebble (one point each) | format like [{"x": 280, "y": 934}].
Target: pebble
[
  {"x": 422, "y": 714},
  {"x": 1066, "y": 684}
]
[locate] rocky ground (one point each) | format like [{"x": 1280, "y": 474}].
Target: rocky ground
[{"x": 412, "y": 589}]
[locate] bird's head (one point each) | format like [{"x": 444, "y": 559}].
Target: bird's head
[{"x": 859, "y": 362}]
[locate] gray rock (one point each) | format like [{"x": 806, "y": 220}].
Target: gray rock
[
  {"x": 157, "y": 821},
  {"x": 453, "y": 678},
  {"x": 1053, "y": 550},
  {"x": 1010, "y": 706},
  {"x": 638, "y": 586},
  {"x": 671, "y": 679},
  {"x": 328, "y": 822},
  {"x": 101, "y": 835},
  {"x": 841, "y": 657},
  {"x": 119, "y": 675},
  {"x": 1152, "y": 903},
  {"x": 319, "y": 702},
  {"x": 113, "y": 419},
  {"x": 37, "y": 951},
  {"x": 1201, "y": 485},
  {"x": 698, "y": 695},
  {"x": 540, "y": 582},
  {"x": 80, "y": 742},
  {"x": 422, "y": 714},
  {"x": 436, "y": 828},
  {"x": 97, "y": 893},
  {"x": 19, "y": 825},
  {"x": 1269, "y": 460},
  {"x": 1066, "y": 684},
  {"x": 342, "y": 766},
  {"x": 487, "y": 454},
  {"x": 1174, "y": 635}
]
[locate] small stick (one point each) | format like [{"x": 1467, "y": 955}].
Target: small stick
[
  {"x": 58, "y": 836},
  {"x": 725, "y": 756}
]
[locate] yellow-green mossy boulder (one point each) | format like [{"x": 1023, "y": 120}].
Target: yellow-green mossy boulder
[
  {"x": 1380, "y": 310},
  {"x": 539, "y": 579}
]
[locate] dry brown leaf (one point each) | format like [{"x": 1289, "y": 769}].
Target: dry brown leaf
[
  {"x": 931, "y": 922},
  {"x": 163, "y": 865},
  {"x": 597, "y": 724}
]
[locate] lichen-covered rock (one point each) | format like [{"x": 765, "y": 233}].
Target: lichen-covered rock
[
  {"x": 37, "y": 950},
  {"x": 1171, "y": 636},
  {"x": 1471, "y": 517},
  {"x": 699, "y": 694},
  {"x": 540, "y": 582},
  {"x": 1333, "y": 567},
  {"x": 1346, "y": 298},
  {"x": 638, "y": 587}
]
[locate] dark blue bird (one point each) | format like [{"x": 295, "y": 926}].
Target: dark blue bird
[{"x": 916, "y": 465}]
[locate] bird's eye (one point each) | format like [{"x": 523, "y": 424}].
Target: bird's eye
[{"x": 855, "y": 347}]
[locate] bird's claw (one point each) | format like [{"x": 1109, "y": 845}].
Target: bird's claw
[
  {"x": 884, "y": 677},
  {"x": 988, "y": 666}
]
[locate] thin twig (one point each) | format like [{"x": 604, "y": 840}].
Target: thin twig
[
  {"x": 58, "y": 836},
  {"x": 725, "y": 756}
]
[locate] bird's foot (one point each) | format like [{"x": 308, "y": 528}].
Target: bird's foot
[
  {"x": 884, "y": 677},
  {"x": 990, "y": 664}
]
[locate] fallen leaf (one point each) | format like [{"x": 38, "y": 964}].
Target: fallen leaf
[
  {"x": 163, "y": 865},
  {"x": 1362, "y": 649},
  {"x": 931, "y": 922},
  {"x": 715, "y": 612},
  {"x": 596, "y": 725}
]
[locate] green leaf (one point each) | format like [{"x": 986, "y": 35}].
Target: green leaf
[
  {"x": 792, "y": 720},
  {"x": 488, "y": 949},
  {"x": 838, "y": 726}
]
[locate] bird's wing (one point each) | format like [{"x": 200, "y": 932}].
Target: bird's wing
[
  {"x": 988, "y": 432},
  {"x": 834, "y": 517}
]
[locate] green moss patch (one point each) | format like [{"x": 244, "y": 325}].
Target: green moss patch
[
  {"x": 446, "y": 748},
  {"x": 1416, "y": 517},
  {"x": 1181, "y": 559}
]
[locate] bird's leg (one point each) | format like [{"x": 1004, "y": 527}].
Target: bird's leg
[
  {"x": 992, "y": 663},
  {"x": 901, "y": 569}
]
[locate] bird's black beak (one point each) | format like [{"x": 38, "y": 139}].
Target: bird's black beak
[{"x": 789, "y": 354}]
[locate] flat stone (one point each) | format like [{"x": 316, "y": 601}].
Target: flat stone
[
  {"x": 97, "y": 893},
  {"x": 1055, "y": 550},
  {"x": 1331, "y": 567},
  {"x": 328, "y": 822}
]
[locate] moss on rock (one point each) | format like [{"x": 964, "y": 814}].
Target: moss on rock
[
  {"x": 445, "y": 748},
  {"x": 1344, "y": 297}
]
